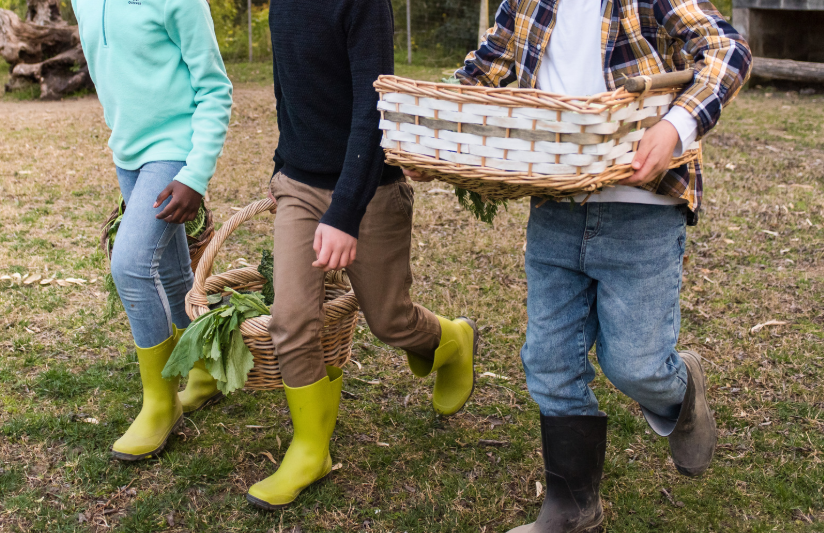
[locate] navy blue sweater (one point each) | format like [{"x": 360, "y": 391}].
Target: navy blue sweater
[{"x": 327, "y": 54}]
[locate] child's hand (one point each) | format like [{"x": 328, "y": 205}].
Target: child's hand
[
  {"x": 654, "y": 153},
  {"x": 183, "y": 206},
  {"x": 335, "y": 249},
  {"x": 414, "y": 175}
]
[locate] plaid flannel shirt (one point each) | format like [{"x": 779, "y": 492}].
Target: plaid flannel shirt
[{"x": 638, "y": 37}]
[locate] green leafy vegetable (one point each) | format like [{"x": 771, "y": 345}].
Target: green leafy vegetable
[
  {"x": 113, "y": 303},
  {"x": 265, "y": 268},
  {"x": 216, "y": 339},
  {"x": 484, "y": 210},
  {"x": 114, "y": 225},
  {"x": 195, "y": 227},
  {"x": 193, "y": 230}
]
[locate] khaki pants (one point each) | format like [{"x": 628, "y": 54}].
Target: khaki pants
[{"x": 381, "y": 277}]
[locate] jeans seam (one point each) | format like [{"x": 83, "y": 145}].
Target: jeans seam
[
  {"x": 155, "y": 273},
  {"x": 583, "y": 351},
  {"x": 184, "y": 275},
  {"x": 677, "y": 300},
  {"x": 600, "y": 208}
]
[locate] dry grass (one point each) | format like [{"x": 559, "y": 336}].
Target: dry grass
[{"x": 757, "y": 256}]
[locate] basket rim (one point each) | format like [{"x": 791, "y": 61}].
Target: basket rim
[
  {"x": 334, "y": 310},
  {"x": 196, "y": 303},
  {"x": 556, "y": 186},
  {"x": 515, "y": 96}
]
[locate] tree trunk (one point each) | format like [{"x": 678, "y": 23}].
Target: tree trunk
[{"x": 43, "y": 50}]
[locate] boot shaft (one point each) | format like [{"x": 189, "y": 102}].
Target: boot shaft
[
  {"x": 574, "y": 448},
  {"x": 151, "y": 362},
  {"x": 314, "y": 408}
]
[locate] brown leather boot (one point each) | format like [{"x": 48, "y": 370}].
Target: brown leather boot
[
  {"x": 692, "y": 441},
  {"x": 574, "y": 449}
]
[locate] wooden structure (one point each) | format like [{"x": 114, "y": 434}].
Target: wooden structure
[
  {"x": 43, "y": 49},
  {"x": 785, "y": 37}
]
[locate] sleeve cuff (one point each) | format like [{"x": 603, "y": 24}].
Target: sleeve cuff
[
  {"x": 192, "y": 182},
  {"x": 687, "y": 127},
  {"x": 343, "y": 215}
]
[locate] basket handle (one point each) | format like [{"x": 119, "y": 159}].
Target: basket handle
[
  {"x": 640, "y": 84},
  {"x": 204, "y": 269}
]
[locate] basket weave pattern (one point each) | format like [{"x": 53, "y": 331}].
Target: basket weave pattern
[
  {"x": 510, "y": 143},
  {"x": 340, "y": 307}
]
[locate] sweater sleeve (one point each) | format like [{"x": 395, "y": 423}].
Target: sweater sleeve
[
  {"x": 189, "y": 24},
  {"x": 369, "y": 29}
]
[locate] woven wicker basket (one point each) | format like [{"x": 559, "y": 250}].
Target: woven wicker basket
[
  {"x": 196, "y": 245},
  {"x": 509, "y": 143},
  {"x": 340, "y": 308}
]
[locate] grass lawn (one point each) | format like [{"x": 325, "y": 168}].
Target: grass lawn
[{"x": 69, "y": 384}]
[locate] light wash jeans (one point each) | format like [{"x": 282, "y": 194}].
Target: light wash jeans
[
  {"x": 607, "y": 274},
  {"x": 150, "y": 261}
]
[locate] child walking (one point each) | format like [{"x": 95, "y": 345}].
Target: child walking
[
  {"x": 608, "y": 272},
  {"x": 167, "y": 100},
  {"x": 341, "y": 206}
]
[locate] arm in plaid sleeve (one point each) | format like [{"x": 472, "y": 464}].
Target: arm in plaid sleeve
[
  {"x": 722, "y": 57},
  {"x": 493, "y": 63}
]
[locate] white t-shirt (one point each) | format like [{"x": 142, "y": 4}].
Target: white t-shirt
[{"x": 572, "y": 64}]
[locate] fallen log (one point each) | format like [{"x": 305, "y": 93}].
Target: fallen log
[
  {"x": 787, "y": 69},
  {"x": 43, "y": 50}
]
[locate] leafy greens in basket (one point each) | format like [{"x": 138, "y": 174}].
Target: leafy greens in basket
[
  {"x": 194, "y": 228},
  {"x": 215, "y": 337}
]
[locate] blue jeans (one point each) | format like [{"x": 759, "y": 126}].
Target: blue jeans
[
  {"x": 607, "y": 274},
  {"x": 150, "y": 260}
]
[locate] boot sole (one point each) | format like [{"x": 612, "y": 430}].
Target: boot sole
[
  {"x": 475, "y": 340},
  {"x": 591, "y": 528},
  {"x": 129, "y": 457},
  {"x": 213, "y": 399},
  {"x": 266, "y": 506}
]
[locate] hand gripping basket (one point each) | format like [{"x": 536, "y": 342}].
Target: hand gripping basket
[
  {"x": 509, "y": 143},
  {"x": 340, "y": 308}
]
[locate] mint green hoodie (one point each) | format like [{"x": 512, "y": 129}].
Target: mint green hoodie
[{"x": 161, "y": 81}]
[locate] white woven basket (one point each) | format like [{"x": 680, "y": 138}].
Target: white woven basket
[{"x": 509, "y": 143}]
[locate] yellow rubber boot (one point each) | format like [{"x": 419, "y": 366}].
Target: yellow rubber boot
[
  {"x": 314, "y": 411},
  {"x": 454, "y": 363},
  {"x": 201, "y": 389},
  {"x": 161, "y": 412}
]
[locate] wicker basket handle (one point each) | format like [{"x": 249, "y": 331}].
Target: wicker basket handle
[
  {"x": 205, "y": 266},
  {"x": 640, "y": 84}
]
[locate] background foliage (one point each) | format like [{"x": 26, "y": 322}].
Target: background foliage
[{"x": 443, "y": 31}]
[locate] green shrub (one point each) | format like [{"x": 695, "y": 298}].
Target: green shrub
[
  {"x": 18, "y": 6},
  {"x": 442, "y": 30},
  {"x": 231, "y": 30}
]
